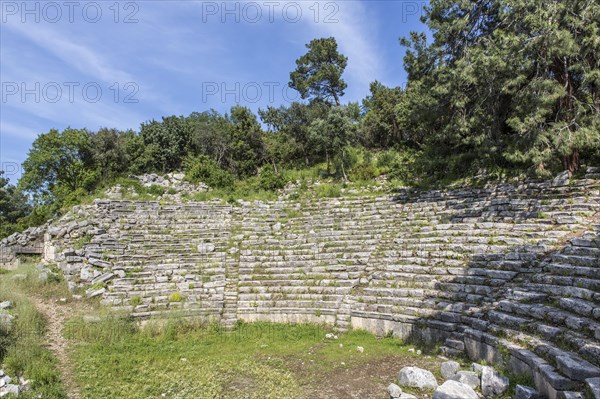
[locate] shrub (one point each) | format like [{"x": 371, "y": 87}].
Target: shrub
[
  {"x": 156, "y": 190},
  {"x": 269, "y": 180},
  {"x": 401, "y": 165},
  {"x": 387, "y": 159},
  {"x": 127, "y": 183},
  {"x": 364, "y": 172},
  {"x": 328, "y": 191},
  {"x": 203, "y": 169}
]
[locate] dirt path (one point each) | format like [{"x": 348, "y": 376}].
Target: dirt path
[{"x": 56, "y": 314}]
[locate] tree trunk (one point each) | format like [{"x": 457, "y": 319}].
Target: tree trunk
[
  {"x": 337, "y": 99},
  {"x": 571, "y": 162},
  {"x": 395, "y": 131},
  {"x": 343, "y": 170},
  {"x": 328, "y": 163}
]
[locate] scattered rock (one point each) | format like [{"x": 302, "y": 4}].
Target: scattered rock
[
  {"x": 173, "y": 183},
  {"x": 476, "y": 367},
  {"x": 44, "y": 275},
  {"x": 10, "y": 389},
  {"x": 120, "y": 273},
  {"x": 449, "y": 369},
  {"x": 6, "y": 388},
  {"x": 25, "y": 385},
  {"x": 395, "y": 391},
  {"x": 593, "y": 385},
  {"x": 492, "y": 383},
  {"x": 5, "y": 305},
  {"x": 454, "y": 390},
  {"x": 206, "y": 248},
  {"x": 416, "y": 378},
  {"x": 360, "y": 349},
  {"x": 572, "y": 395},
  {"x": 103, "y": 278},
  {"x": 562, "y": 179},
  {"x": 5, "y": 321},
  {"x": 95, "y": 293},
  {"x": 99, "y": 263},
  {"x": 88, "y": 273},
  {"x": 524, "y": 392},
  {"x": 469, "y": 378}
]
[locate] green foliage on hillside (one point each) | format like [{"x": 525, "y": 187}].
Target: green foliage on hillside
[
  {"x": 506, "y": 82},
  {"x": 13, "y": 207}
]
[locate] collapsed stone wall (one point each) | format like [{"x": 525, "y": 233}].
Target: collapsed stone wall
[
  {"x": 29, "y": 242},
  {"x": 503, "y": 273}
]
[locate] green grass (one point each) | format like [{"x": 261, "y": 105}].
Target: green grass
[
  {"x": 328, "y": 190},
  {"x": 186, "y": 359},
  {"x": 22, "y": 347},
  {"x": 175, "y": 297},
  {"x": 82, "y": 242}
]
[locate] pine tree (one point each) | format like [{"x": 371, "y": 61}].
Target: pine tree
[
  {"x": 319, "y": 72},
  {"x": 507, "y": 81}
]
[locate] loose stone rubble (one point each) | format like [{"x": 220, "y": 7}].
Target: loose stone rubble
[
  {"x": 415, "y": 377},
  {"x": 454, "y": 390},
  {"x": 492, "y": 383},
  {"x": 458, "y": 384},
  {"x": 173, "y": 184},
  {"x": 9, "y": 387},
  {"x": 523, "y": 392},
  {"x": 593, "y": 386},
  {"x": 6, "y": 317},
  {"x": 449, "y": 369}
]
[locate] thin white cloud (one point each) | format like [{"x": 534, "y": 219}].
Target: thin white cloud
[
  {"x": 76, "y": 63},
  {"x": 77, "y": 56},
  {"x": 9, "y": 129}
]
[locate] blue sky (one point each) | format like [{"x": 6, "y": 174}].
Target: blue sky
[{"x": 116, "y": 64}]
